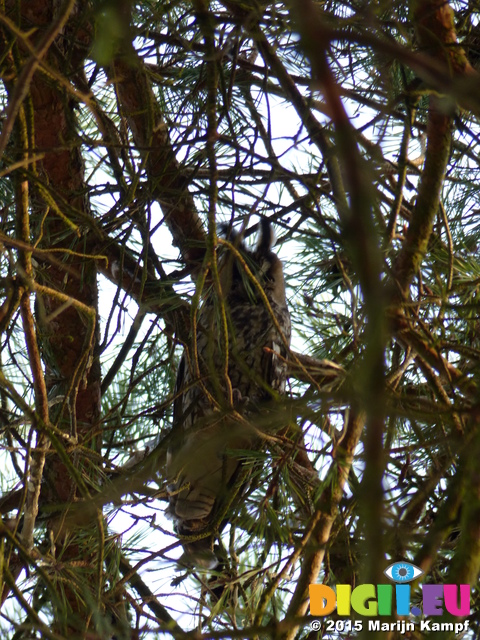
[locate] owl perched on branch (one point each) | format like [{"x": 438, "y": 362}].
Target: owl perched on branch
[{"x": 235, "y": 366}]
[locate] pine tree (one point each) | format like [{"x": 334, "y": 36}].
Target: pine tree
[{"x": 134, "y": 138}]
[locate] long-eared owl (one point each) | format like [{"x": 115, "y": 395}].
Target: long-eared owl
[{"x": 236, "y": 364}]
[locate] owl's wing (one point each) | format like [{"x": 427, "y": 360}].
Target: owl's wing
[{"x": 199, "y": 467}]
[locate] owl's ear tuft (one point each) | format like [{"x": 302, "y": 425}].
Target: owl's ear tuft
[
  {"x": 226, "y": 230},
  {"x": 266, "y": 239}
]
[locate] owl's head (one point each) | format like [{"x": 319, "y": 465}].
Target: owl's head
[{"x": 243, "y": 270}]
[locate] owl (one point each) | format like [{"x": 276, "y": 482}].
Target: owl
[{"x": 234, "y": 367}]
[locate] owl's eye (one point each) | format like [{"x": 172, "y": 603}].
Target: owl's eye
[{"x": 402, "y": 572}]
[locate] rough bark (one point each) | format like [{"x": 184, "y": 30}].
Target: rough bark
[{"x": 66, "y": 300}]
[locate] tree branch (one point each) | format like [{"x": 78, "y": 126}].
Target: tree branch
[
  {"x": 435, "y": 27},
  {"x": 139, "y": 106}
]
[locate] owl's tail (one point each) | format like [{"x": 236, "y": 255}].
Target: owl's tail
[{"x": 200, "y": 554}]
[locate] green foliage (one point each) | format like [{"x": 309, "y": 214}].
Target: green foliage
[{"x": 331, "y": 143}]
